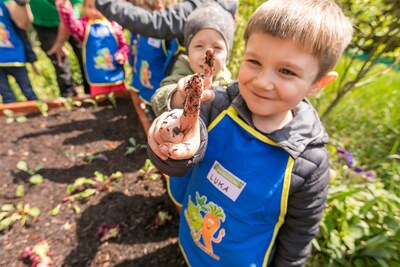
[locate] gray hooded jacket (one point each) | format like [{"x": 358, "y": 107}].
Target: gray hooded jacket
[{"x": 304, "y": 138}]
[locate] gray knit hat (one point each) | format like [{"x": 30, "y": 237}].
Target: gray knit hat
[{"x": 210, "y": 15}]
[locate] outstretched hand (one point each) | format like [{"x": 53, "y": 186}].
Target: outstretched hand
[
  {"x": 167, "y": 140},
  {"x": 60, "y": 51}
]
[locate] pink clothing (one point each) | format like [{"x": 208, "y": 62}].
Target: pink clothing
[{"x": 77, "y": 27}]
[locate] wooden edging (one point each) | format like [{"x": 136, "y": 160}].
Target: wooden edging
[{"x": 33, "y": 107}]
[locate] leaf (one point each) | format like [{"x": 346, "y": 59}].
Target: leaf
[
  {"x": 36, "y": 179},
  {"x": 20, "y": 191},
  {"x": 9, "y": 120},
  {"x": 8, "y": 113},
  {"x": 22, "y": 165},
  {"x": 34, "y": 212},
  {"x": 21, "y": 119},
  {"x": 56, "y": 210},
  {"x": 76, "y": 208},
  {"x": 7, "y": 207}
]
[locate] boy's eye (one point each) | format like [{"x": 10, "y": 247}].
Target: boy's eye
[
  {"x": 254, "y": 62},
  {"x": 288, "y": 72}
]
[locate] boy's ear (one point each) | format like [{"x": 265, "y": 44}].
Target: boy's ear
[{"x": 329, "y": 78}]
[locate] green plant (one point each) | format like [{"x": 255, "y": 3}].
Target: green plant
[
  {"x": 149, "y": 171},
  {"x": 361, "y": 223},
  {"x": 69, "y": 103},
  {"x": 43, "y": 108},
  {"x": 91, "y": 158},
  {"x": 38, "y": 255},
  {"x": 34, "y": 178},
  {"x": 134, "y": 146},
  {"x": 12, "y": 118},
  {"x": 83, "y": 188},
  {"x": 9, "y": 214}
]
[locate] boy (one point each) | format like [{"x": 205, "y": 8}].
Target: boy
[
  {"x": 257, "y": 181},
  {"x": 209, "y": 26},
  {"x": 12, "y": 49},
  {"x": 104, "y": 46}
]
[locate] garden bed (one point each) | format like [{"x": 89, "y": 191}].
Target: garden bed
[{"x": 76, "y": 143}]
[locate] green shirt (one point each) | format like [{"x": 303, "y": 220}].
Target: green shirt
[{"x": 45, "y": 12}]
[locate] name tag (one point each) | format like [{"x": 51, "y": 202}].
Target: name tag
[
  {"x": 154, "y": 42},
  {"x": 225, "y": 181}
]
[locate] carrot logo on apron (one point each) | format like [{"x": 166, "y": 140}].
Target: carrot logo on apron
[{"x": 204, "y": 220}]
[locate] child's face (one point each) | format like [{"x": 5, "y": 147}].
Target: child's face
[
  {"x": 275, "y": 75},
  {"x": 91, "y": 11},
  {"x": 203, "y": 40}
]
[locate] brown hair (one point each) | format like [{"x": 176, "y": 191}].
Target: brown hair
[{"x": 318, "y": 26}]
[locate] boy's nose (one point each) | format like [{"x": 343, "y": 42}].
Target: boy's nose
[{"x": 264, "y": 80}]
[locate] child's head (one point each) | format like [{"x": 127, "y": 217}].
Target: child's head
[
  {"x": 291, "y": 49},
  {"x": 318, "y": 26},
  {"x": 91, "y": 11},
  {"x": 209, "y": 26}
]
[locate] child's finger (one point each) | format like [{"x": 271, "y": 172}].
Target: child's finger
[
  {"x": 185, "y": 150},
  {"x": 207, "y": 96}
]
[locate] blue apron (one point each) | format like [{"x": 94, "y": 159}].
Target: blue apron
[
  {"x": 150, "y": 63},
  {"x": 11, "y": 47},
  {"x": 235, "y": 199},
  {"x": 99, "y": 46}
]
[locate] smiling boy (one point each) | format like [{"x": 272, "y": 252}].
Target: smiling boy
[{"x": 258, "y": 175}]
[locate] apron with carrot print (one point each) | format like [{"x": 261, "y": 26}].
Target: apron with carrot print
[{"x": 236, "y": 198}]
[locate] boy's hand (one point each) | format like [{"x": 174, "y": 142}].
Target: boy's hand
[
  {"x": 167, "y": 140},
  {"x": 119, "y": 57}
]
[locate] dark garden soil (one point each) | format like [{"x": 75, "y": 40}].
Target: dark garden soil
[{"x": 62, "y": 143}]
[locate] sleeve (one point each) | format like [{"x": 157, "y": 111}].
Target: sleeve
[
  {"x": 181, "y": 167},
  {"x": 123, "y": 46},
  {"x": 310, "y": 180},
  {"x": 167, "y": 23},
  {"x": 161, "y": 97},
  {"x": 76, "y": 27}
]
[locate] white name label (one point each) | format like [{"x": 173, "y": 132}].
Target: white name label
[
  {"x": 154, "y": 42},
  {"x": 225, "y": 181}
]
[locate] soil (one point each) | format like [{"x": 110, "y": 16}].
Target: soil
[{"x": 60, "y": 143}]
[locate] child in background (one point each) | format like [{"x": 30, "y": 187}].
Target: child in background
[
  {"x": 151, "y": 58},
  {"x": 209, "y": 26},
  {"x": 255, "y": 160},
  {"x": 104, "y": 47},
  {"x": 12, "y": 49}
]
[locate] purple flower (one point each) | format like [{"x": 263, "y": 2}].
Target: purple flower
[{"x": 348, "y": 157}]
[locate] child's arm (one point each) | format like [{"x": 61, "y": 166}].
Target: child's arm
[
  {"x": 76, "y": 27},
  {"x": 123, "y": 48},
  {"x": 20, "y": 13}
]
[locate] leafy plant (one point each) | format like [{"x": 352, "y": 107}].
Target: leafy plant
[
  {"x": 361, "y": 223},
  {"x": 12, "y": 118},
  {"x": 83, "y": 188},
  {"x": 69, "y": 103},
  {"x": 9, "y": 214},
  {"x": 149, "y": 171},
  {"x": 34, "y": 178},
  {"x": 107, "y": 231},
  {"x": 91, "y": 158},
  {"x": 134, "y": 146},
  {"x": 43, "y": 108},
  {"x": 162, "y": 218},
  {"x": 38, "y": 255}
]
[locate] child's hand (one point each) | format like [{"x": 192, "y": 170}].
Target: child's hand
[
  {"x": 168, "y": 141},
  {"x": 34, "y": 69},
  {"x": 119, "y": 57},
  {"x": 178, "y": 98}
]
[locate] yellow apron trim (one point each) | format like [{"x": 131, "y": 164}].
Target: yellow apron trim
[
  {"x": 284, "y": 200},
  {"x": 231, "y": 112}
]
